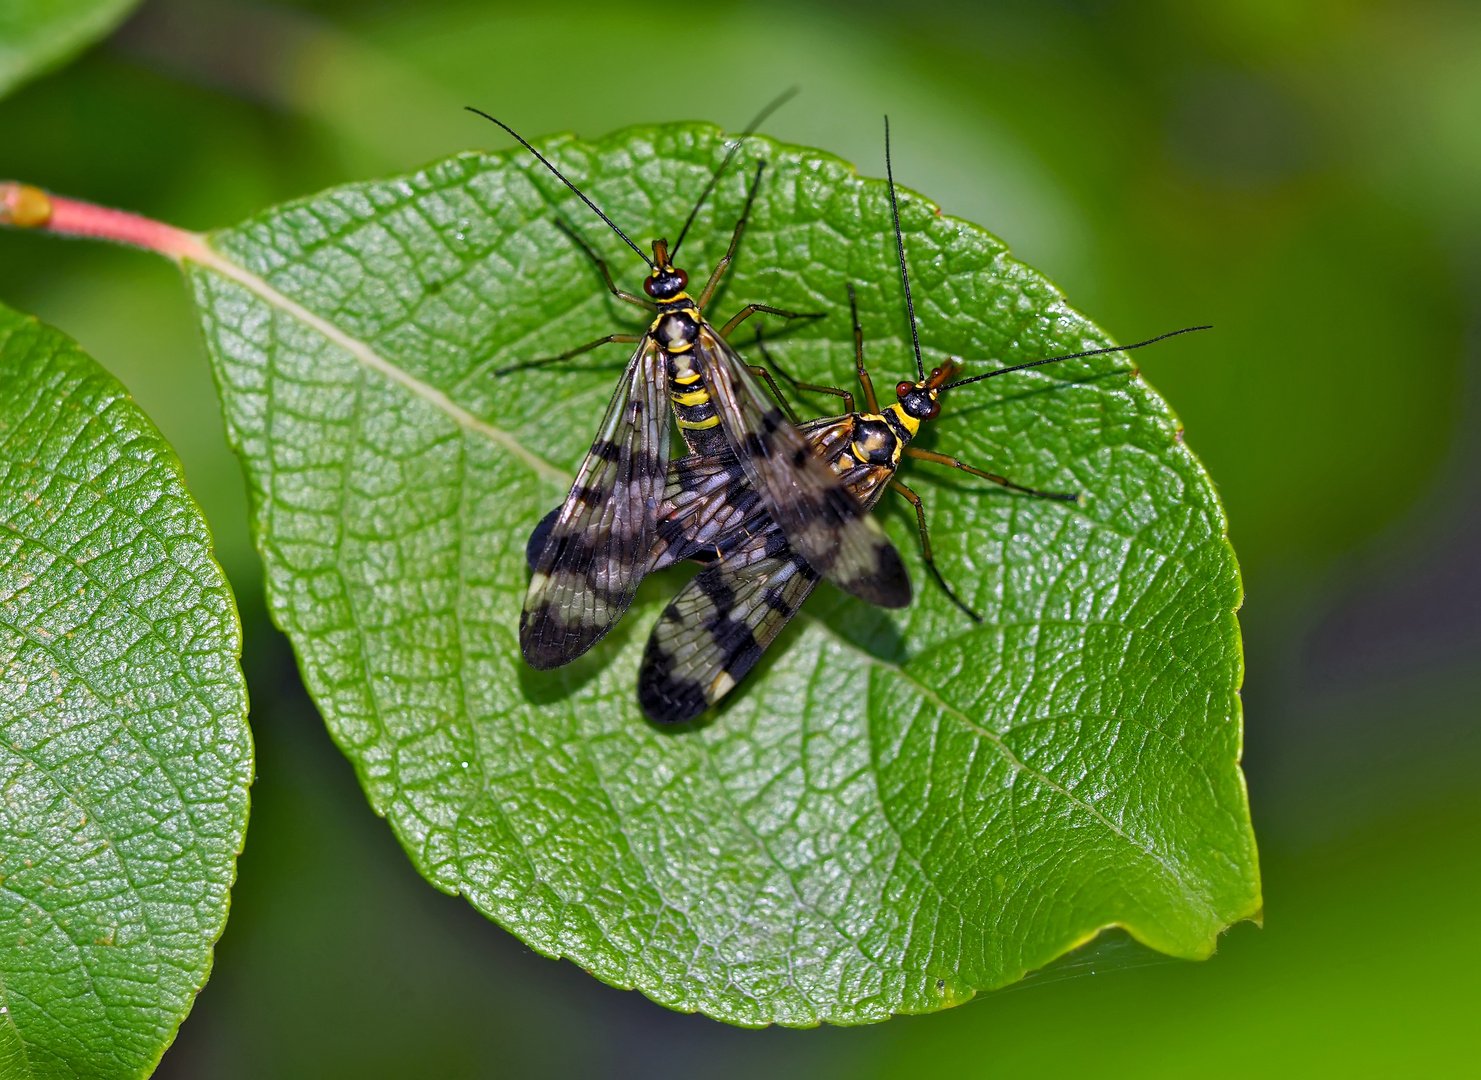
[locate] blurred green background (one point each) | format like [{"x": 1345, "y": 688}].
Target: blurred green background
[{"x": 1304, "y": 174}]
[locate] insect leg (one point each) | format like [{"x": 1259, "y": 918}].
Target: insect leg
[
  {"x": 848, "y": 399},
  {"x": 751, "y": 309},
  {"x": 925, "y": 546},
  {"x": 870, "y": 401},
  {"x": 724, "y": 263},
  {"x": 776, "y": 392},
  {"x": 943, "y": 459},
  {"x": 601, "y": 266},
  {"x": 609, "y": 339}
]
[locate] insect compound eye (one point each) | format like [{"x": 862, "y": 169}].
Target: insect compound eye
[
  {"x": 903, "y": 388},
  {"x": 933, "y": 410},
  {"x": 665, "y": 283}
]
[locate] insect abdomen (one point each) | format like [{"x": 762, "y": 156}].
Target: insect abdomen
[{"x": 694, "y": 411}]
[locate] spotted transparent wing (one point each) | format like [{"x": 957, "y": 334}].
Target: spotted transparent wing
[
  {"x": 719, "y": 625},
  {"x": 707, "y": 497},
  {"x": 598, "y": 545},
  {"x": 820, "y": 518}
]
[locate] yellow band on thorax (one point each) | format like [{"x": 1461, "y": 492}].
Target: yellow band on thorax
[
  {"x": 911, "y": 424},
  {"x": 681, "y": 298}
]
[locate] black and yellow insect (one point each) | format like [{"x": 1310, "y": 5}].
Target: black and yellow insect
[
  {"x": 596, "y": 547},
  {"x": 720, "y": 623}
]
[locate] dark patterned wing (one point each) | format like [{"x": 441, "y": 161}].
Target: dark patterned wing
[
  {"x": 718, "y": 626},
  {"x": 597, "y": 547},
  {"x": 820, "y": 518},
  {"x": 707, "y": 497}
]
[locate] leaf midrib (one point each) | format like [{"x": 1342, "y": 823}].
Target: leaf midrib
[{"x": 211, "y": 259}]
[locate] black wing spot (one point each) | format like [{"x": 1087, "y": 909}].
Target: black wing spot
[
  {"x": 775, "y": 601},
  {"x": 839, "y": 505},
  {"x": 743, "y": 648},
  {"x": 719, "y": 593},
  {"x": 538, "y": 538},
  {"x": 645, "y": 466},
  {"x": 664, "y": 698},
  {"x": 547, "y": 642},
  {"x": 889, "y": 578},
  {"x": 577, "y": 555},
  {"x": 776, "y": 546}
]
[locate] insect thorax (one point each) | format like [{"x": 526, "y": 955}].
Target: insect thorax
[
  {"x": 878, "y": 439},
  {"x": 873, "y": 442},
  {"x": 676, "y": 327}
]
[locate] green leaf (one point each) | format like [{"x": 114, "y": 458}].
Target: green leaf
[
  {"x": 899, "y": 809},
  {"x": 37, "y": 35},
  {"x": 124, "y": 750}
]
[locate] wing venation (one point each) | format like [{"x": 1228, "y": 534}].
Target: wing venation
[
  {"x": 822, "y": 521},
  {"x": 598, "y": 544},
  {"x": 720, "y": 624}
]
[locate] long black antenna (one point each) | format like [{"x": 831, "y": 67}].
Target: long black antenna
[
  {"x": 1073, "y": 356},
  {"x": 920, "y": 367},
  {"x": 561, "y": 177},
  {"x": 776, "y": 103}
]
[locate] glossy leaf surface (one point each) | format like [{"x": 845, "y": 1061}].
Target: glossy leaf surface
[
  {"x": 896, "y": 810},
  {"x": 124, "y": 751},
  {"x": 38, "y": 34}
]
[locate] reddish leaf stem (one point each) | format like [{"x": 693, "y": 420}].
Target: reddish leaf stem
[{"x": 27, "y": 207}]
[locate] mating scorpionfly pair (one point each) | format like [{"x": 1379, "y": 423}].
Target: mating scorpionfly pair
[{"x": 768, "y": 506}]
